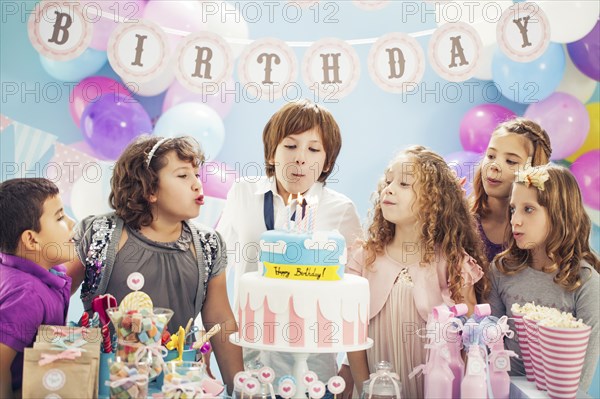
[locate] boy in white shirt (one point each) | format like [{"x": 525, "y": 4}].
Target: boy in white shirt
[{"x": 301, "y": 143}]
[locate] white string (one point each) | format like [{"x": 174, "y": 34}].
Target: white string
[{"x": 233, "y": 40}]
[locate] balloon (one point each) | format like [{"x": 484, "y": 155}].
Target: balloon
[
  {"x": 566, "y": 121},
  {"x": 465, "y": 163},
  {"x": 197, "y": 120},
  {"x": 110, "y": 124},
  {"x": 89, "y": 195},
  {"x": 478, "y": 124},
  {"x": 595, "y": 238},
  {"x": 586, "y": 170},
  {"x": 576, "y": 83},
  {"x": 594, "y": 215},
  {"x": 592, "y": 140},
  {"x": 182, "y": 15},
  {"x": 529, "y": 82},
  {"x": 156, "y": 85},
  {"x": 112, "y": 12},
  {"x": 228, "y": 23},
  {"x": 585, "y": 53},
  {"x": 484, "y": 72},
  {"x": 217, "y": 179},
  {"x": 89, "y": 90},
  {"x": 482, "y": 19},
  {"x": 221, "y": 103},
  {"x": 88, "y": 63},
  {"x": 570, "y": 20}
]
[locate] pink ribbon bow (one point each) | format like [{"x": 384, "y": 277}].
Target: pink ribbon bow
[{"x": 69, "y": 354}]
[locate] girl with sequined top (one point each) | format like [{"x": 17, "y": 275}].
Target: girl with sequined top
[
  {"x": 155, "y": 191},
  {"x": 422, "y": 250}
]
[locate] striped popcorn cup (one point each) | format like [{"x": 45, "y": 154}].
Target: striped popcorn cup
[
  {"x": 563, "y": 353},
  {"x": 535, "y": 352},
  {"x": 524, "y": 345}
]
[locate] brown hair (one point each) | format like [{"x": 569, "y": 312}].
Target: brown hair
[
  {"x": 297, "y": 117},
  {"x": 22, "y": 203},
  {"x": 568, "y": 241},
  {"x": 540, "y": 142},
  {"x": 444, "y": 219},
  {"x": 133, "y": 180}
]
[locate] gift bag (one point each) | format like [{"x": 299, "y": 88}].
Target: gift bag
[{"x": 51, "y": 372}]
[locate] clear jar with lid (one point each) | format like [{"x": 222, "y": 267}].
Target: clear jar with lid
[{"x": 383, "y": 384}]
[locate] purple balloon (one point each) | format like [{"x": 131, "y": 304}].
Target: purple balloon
[
  {"x": 478, "y": 124},
  {"x": 465, "y": 163},
  {"x": 110, "y": 123},
  {"x": 585, "y": 53},
  {"x": 566, "y": 121},
  {"x": 586, "y": 170}
]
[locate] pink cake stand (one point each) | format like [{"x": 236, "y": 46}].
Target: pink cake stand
[{"x": 300, "y": 358}]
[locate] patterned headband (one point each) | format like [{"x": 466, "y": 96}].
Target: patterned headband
[
  {"x": 153, "y": 150},
  {"x": 535, "y": 176}
]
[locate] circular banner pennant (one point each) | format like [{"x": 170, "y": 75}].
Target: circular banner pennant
[
  {"x": 523, "y": 32},
  {"x": 138, "y": 51},
  {"x": 203, "y": 58},
  {"x": 331, "y": 68},
  {"x": 266, "y": 66},
  {"x": 454, "y": 51},
  {"x": 58, "y": 30},
  {"x": 396, "y": 62}
]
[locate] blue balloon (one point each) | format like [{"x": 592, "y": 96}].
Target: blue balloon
[
  {"x": 197, "y": 120},
  {"x": 595, "y": 237},
  {"x": 529, "y": 82},
  {"x": 87, "y": 64}
]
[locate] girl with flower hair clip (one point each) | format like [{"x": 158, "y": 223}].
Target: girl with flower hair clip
[
  {"x": 422, "y": 250},
  {"x": 513, "y": 144},
  {"x": 548, "y": 260}
]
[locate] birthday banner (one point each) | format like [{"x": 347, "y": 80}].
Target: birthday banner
[{"x": 140, "y": 51}]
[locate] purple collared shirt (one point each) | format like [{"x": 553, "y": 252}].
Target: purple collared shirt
[{"x": 29, "y": 297}]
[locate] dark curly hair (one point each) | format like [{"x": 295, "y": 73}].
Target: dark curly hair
[{"x": 134, "y": 180}]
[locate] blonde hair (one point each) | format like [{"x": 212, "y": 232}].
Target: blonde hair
[
  {"x": 443, "y": 217},
  {"x": 540, "y": 141},
  {"x": 568, "y": 242},
  {"x": 298, "y": 117}
]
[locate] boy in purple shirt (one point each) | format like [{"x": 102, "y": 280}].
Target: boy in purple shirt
[{"x": 35, "y": 236}]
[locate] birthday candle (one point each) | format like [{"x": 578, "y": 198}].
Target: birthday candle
[
  {"x": 289, "y": 212},
  {"x": 299, "y": 213}
]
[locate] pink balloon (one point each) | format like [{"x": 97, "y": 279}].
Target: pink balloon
[
  {"x": 112, "y": 12},
  {"x": 478, "y": 124},
  {"x": 566, "y": 121},
  {"x": 177, "y": 94},
  {"x": 89, "y": 90},
  {"x": 217, "y": 178},
  {"x": 586, "y": 170}
]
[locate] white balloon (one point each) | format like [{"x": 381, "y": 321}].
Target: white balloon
[
  {"x": 156, "y": 85},
  {"x": 576, "y": 83},
  {"x": 485, "y": 59},
  {"x": 570, "y": 20},
  {"x": 89, "y": 195},
  {"x": 211, "y": 211},
  {"x": 594, "y": 215},
  {"x": 229, "y": 23},
  {"x": 482, "y": 16}
]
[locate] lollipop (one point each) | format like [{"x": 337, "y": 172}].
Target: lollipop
[
  {"x": 85, "y": 320},
  {"x": 336, "y": 385},
  {"x": 287, "y": 388},
  {"x": 106, "y": 341},
  {"x": 251, "y": 386},
  {"x": 310, "y": 377},
  {"x": 136, "y": 300},
  {"x": 239, "y": 379},
  {"x": 316, "y": 390}
]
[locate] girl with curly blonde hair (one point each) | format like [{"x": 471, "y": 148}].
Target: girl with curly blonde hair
[
  {"x": 422, "y": 250},
  {"x": 548, "y": 260}
]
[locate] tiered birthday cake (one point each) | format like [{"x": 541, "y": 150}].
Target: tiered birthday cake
[{"x": 300, "y": 297}]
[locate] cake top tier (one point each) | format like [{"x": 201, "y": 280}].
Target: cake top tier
[{"x": 282, "y": 253}]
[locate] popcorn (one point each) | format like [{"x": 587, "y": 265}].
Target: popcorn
[{"x": 562, "y": 322}]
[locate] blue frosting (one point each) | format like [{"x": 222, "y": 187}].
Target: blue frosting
[{"x": 318, "y": 249}]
